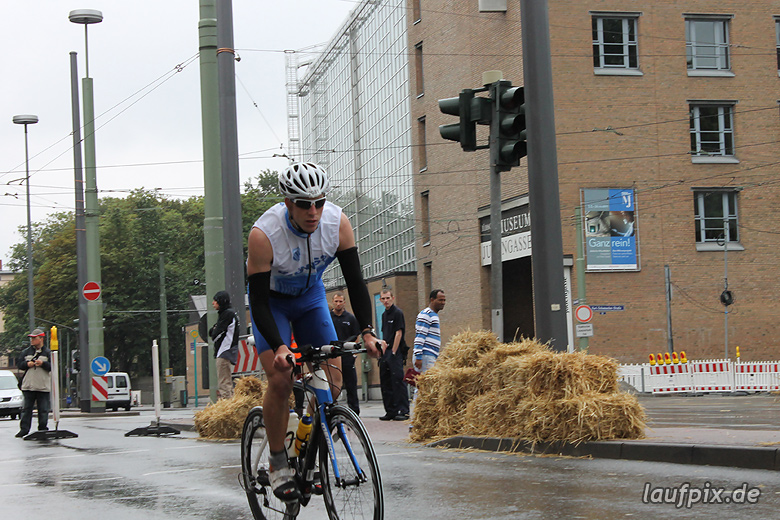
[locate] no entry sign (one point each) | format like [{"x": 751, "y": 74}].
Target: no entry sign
[{"x": 91, "y": 291}]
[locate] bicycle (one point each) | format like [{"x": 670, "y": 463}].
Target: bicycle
[{"x": 337, "y": 461}]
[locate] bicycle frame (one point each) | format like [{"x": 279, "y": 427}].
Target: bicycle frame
[{"x": 320, "y": 387}]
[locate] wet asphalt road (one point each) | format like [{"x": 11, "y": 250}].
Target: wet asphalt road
[{"x": 104, "y": 475}]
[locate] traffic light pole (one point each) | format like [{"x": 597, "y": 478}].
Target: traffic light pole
[
  {"x": 546, "y": 240},
  {"x": 496, "y": 265}
]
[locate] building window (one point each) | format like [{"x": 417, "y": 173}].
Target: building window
[
  {"x": 427, "y": 280},
  {"x": 615, "y": 42},
  {"x": 712, "y": 130},
  {"x": 777, "y": 43},
  {"x": 416, "y": 11},
  {"x": 715, "y": 215},
  {"x": 418, "y": 65},
  {"x": 707, "y": 44},
  {"x": 422, "y": 152},
  {"x": 425, "y": 222}
]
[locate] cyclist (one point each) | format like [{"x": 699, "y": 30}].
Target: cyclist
[{"x": 290, "y": 246}]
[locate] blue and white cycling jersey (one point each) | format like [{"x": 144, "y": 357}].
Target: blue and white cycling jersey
[{"x": 299, "y": 259}]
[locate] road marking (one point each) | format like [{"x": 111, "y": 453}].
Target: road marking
[
  {"x": 170, "y": 471},
  {"x": 184, "y": 448},
  {"x": 230, "y": 467},
  {"x": 400, "y": 453},
  {"x": 90, "y": 480},
  {"x": 121, "y": 452}
]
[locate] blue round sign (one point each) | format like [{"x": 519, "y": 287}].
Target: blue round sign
[{"x": 100, "y": 365}]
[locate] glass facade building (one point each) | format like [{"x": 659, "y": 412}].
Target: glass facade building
[{"x": 354, "y": 117}]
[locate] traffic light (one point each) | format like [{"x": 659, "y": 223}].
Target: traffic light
[
  {"x": 465, "y": 132},
  {"x": 75, "y": 361},
  {"x": 510, "y": 107}
]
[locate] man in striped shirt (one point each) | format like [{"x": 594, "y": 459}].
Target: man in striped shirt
[{"x": 427, "y": 338}]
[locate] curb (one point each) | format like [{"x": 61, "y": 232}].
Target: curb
[{"x": 748, "y": 457}]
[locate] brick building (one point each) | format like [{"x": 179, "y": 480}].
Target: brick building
[
  {"x": 672, "y": 104},
  {"x": 666, "y": 121}
]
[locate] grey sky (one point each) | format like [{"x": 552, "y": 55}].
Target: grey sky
[{"x": 148, "y": 116}]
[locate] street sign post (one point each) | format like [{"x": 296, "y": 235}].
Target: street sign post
[{"x": 584, "y": 330}]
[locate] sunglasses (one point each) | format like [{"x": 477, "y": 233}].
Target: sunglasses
[{"x": 306, "y": 203}]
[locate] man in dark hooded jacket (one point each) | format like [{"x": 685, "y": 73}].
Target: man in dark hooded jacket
[{"x": 225, "y": 336}]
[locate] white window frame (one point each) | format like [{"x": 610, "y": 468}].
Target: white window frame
[
  {"x": 710, "y": 228},
  {"x": 725, "y": 131},
  {"x": 718, "y": 50},
  {"x": 629, "y": 22}
]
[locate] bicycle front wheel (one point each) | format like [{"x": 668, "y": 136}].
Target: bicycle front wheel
[
  {"x": 356, "y": 492},
  {"x": 254, "y": 472}
]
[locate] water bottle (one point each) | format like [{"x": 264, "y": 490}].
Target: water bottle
[
  {"x": 304, "y": 429},
  {"x": 289, "y": 438}
]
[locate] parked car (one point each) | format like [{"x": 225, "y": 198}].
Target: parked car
[
  {"x": 119, "y": 391},
  {"x": 10, "y": 396}
]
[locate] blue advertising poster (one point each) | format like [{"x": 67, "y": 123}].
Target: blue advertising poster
[{"x": 610, "y": 229}]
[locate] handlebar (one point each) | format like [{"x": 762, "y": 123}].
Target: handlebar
[{"x": 333, "y": 350}]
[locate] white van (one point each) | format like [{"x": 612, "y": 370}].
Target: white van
[
  {"x": 10, "y": 396},
  {"x": 119, "y": 391}
]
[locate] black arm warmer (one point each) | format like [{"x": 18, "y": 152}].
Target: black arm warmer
[
  {"x": 259, "y": 291},
  {"x": 356, "y": 286}
]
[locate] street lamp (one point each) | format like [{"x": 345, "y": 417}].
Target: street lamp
[
  {"x": 94, "y": 324},
  {"x": 27, "y": 119}
]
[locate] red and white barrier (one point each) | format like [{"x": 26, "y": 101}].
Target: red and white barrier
[
  {"x": 715, "y": 375},
  {"x": 248, "y": 360},
  {"x": 99, "y": 388},
  {"x": 719, "y": 375},
  {"x": 757, "y": 376},
  {"x": 671, "y": 379}
]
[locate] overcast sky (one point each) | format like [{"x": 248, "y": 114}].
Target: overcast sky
[{"x": 148, "y": 117}]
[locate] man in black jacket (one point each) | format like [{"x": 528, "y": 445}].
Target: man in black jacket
[
  {"x": 225, "y": 336},
  {"x": 346, "y": 328},
  {"x": 395, "y": 394},
  {"x": 35, "y": 361}
]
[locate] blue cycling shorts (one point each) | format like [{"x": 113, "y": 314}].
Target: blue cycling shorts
[{"x": 308, "y": 315}]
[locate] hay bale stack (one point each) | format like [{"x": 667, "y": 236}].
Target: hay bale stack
[
  {"x": 225, "y": 418},
  {"x": 479, "y": 386}
]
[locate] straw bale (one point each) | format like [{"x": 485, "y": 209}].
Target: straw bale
[
  {"x": 225, "y": 418},
  {"x": 464, "y": 349},
  {"x": 562, "y": 376},
  {"x": 589, "y": 417},
  {"x": 522, "y": 389}
]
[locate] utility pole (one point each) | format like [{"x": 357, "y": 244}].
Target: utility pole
[
  {"x": 84, "y": 388},
  {"x": 669, "y": 336},
  {"x": 164, "y": 351},
  {"x": 546, "y": 239},
  {"x": 235, "y": 283},
  {"x": 213, "y": 237}
]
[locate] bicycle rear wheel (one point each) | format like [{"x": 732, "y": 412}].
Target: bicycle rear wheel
[
  {"x": 356, "y": 494},
  {"x": 254, "y": 472}
]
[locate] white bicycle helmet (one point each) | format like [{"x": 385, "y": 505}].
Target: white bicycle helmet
[{"x": 303, "y": 180}]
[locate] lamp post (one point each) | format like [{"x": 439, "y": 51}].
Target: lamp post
[
  {"x": 27, "y": 119},
  {"x": 86, "y": 17}
]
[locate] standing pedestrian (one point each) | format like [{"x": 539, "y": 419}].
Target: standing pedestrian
[
  {"x": 35, "y": 361},
  {"x": 427, "y": 337},
  {"x": 225, "y": 336},
  {"x": 346, "y": 328},
  {"x": 395, "y": 395}
]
